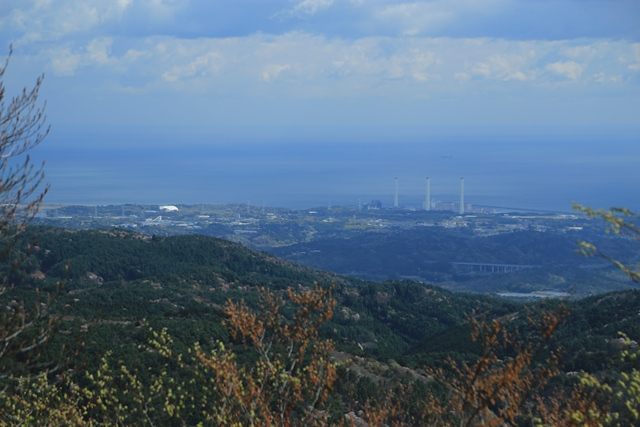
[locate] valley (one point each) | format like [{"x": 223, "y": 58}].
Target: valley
[{"x": 513, "y": 254}]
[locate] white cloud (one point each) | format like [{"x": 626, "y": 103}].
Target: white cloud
[
  {"x": 48, "y": 20},
  {"x": 98, "y": 50},
  {"x": 123, "y": 4},
  {"x": 311, "y": 7},
  {"x": 202, "y": 66},
  {"x": 416, "y": 64},
  {"x": 569, "y": 69},
  {"x": 604, "y": 78},
  {"x": 273, "y": 71},
  {"x": 585, "y": 52},
  {"x": 428, "y": 17},
  {"x": 161, "y": 9},
  {"x": 343, "y": 65},
  {"x": 64, "y": 62},
  {"x": 507, "y": 67},
  {"x": 303, "y": 9},
  {"x": 415, "y": 18},
  {"x": 635, "y": 64}
]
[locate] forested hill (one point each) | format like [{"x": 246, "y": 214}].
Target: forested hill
[
  {"x": 116, "y": 285},
  {"x": 549, "y": 261},
  {"x": 114, "y": 279},
  {"x": 123, "y": 256}
]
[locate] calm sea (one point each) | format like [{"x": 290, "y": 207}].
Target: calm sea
[{"x": 543, "y": 175}]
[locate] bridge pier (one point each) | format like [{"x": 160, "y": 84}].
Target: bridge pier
[{"x": 483, "y": 267}]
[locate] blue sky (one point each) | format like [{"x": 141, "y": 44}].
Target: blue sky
[{"x": 176, "y": 73}]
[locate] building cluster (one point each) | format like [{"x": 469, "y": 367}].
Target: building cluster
[{"x": 259, "y": 226}]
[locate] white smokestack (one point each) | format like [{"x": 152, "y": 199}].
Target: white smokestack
[
  {"x": 461, "y": 195},
  {"x": 395, "y": 199},
  {"x": 427, "y": 195}
]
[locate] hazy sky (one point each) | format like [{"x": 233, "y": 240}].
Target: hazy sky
[{"x": 176, "y": 73}]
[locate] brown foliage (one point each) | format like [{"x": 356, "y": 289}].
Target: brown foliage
[
  {"x": 494, "y": 389},
  {"x": 501, "y": 387},
  {"x": 293, "y": 374}
]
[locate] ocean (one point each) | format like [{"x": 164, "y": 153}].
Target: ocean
[{"x": 514, "y": 173}]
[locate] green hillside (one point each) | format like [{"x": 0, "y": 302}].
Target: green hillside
[
  {"x": 430, "y": 254},
  {"x": 111, "y": 288},
  {"x": 115, "y": 282}
]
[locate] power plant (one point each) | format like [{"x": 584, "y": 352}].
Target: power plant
[{"x": 429, "y": 204}]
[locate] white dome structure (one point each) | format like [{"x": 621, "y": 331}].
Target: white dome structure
[{"x": 169, "y": 208}]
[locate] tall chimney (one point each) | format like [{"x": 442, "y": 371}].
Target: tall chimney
[
  {"x": 427, "y": 195},
  {"x": 461, "y": 195},
  {"x": 395, "y": 199}
]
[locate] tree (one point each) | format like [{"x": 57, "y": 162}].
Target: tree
[
  {"x": 501, "y": 387},
  {"x": 280, "y": 373},
  {"x": 621, "y": 222},
  {"x": 23, "y": 126},
  {"x": 293, "y": 373}
]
